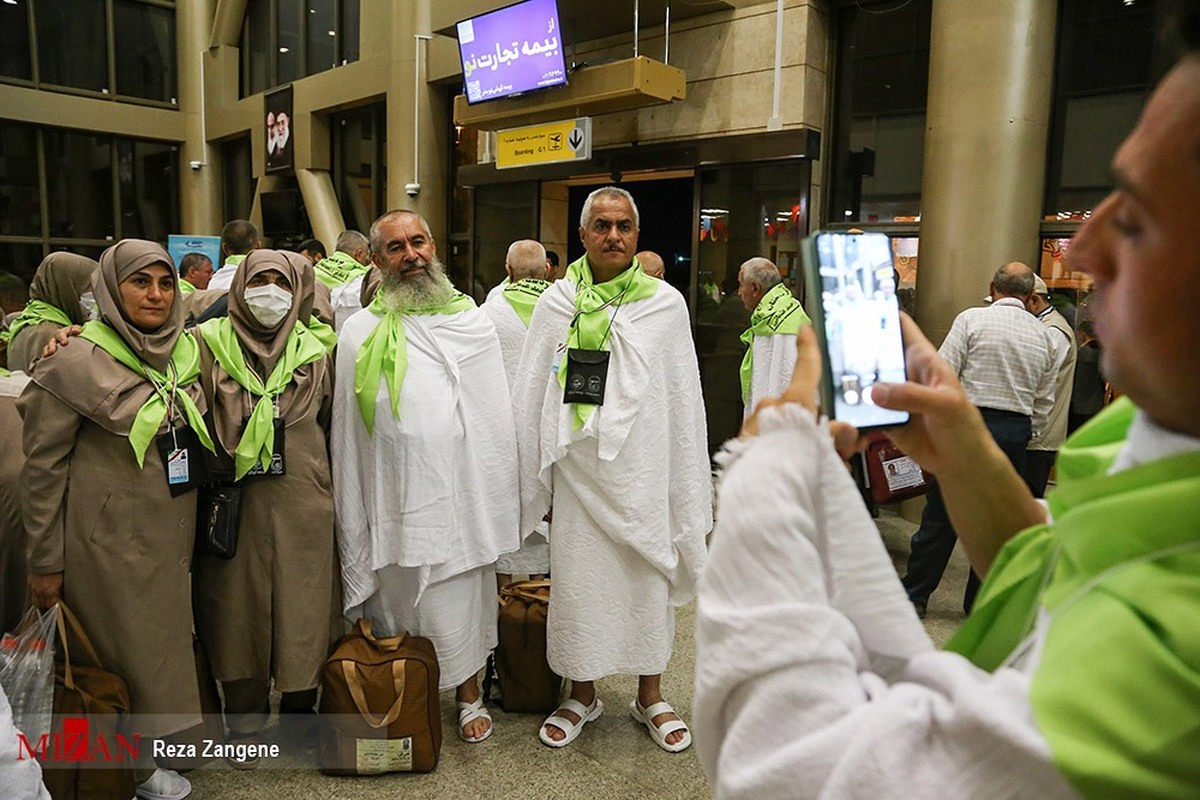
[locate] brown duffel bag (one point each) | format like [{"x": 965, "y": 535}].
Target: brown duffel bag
[
  {"x": 94, "y": 704},
  {"x": 379, "y": 704},
  {"x": 527, "y": 684}
]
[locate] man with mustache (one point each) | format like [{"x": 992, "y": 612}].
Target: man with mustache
[
  {"x": 424, "y": 462},
  {"x": 611, "y": 431}
]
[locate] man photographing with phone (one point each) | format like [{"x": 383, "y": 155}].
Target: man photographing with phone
[{"x": 1078, "y": 674}]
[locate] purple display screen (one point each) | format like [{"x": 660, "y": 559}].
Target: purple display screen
[{"x": 511, "y": 50}]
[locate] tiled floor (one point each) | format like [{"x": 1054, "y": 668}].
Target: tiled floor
[{"x": 613, "y": 758}]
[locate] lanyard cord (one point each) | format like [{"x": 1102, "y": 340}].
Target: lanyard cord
[{"x": 606, "y": 304}]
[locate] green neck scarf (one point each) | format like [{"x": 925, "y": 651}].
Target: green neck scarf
[
  {"x": 4, "y": 373},
  {"x": 185, "y": 287},
  {"x": 233, "y": 261},
  {"x": 258, "y": 439},
  {"x": 523, "y": 296},
  {"x": 185, "y": 364},
  {"x": 1119, "y": 568},
  {"x": 325, "y": 334},
  {"x": 385, "y": 352},
  {"x": 35, "y": 313},
  {"x": 777, "y": 313},
  {"x": 589, "y": 329},
  {"x": 338, "y": 269}
]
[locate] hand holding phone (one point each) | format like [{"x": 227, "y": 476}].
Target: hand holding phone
[{"x": 857, "y": 321}]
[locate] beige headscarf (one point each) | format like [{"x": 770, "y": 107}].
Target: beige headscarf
[
  {"x": 60, "y": 279},
  {"x": 92, "y": 382},
  {"x": 232, "y": 405},
  {"x": 116, "y": 264}
]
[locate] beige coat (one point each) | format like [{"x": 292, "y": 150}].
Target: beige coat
[
  {"x": 13, "y": 596},
  {"x": 265, "y": 613},
  {"x": 124, "y": 546},
  {"x": 28, "y": 344}
]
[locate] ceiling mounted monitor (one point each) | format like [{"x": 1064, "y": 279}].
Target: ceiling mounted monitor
[{"x": 512, "y": 50}]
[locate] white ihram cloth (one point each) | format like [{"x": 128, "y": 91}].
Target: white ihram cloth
[
  {"x": 346, "y": 300},
  {"x": 435, "y": 491},
  {"x": 631, "y": 490},
  {"x": 534, "y": 556},
  {"x": 802, "y": 623},
  {"x": 774, "y": 360}
]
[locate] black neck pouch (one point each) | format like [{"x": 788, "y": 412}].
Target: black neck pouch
[
  {"x": 587, "y": 375},
  {"x": 183, "y": 459}
]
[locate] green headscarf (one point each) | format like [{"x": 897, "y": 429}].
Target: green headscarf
[
  {"x": 589, "y": 330},
  {"x": 777, "y": 313},
  {"x": 385, "y": 352}
]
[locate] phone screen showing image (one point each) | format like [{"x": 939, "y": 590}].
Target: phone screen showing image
[{"x": 860, "y": 324}]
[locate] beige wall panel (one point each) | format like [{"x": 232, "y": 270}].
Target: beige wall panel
[
  {"x": 90, "y": 114},
  {"x": 555, "y": 226}
]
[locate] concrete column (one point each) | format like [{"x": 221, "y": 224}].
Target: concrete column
[
  {"x": 199, "y": 164},
  {"x": 320, "y": 200},
  {"x": 416, "y": 152},
  {"x": 991, "y": 70}
]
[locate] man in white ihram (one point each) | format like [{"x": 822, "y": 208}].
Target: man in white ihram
[
  {"x": 510, "y": 308},
  {"x": 611, "y": 432},
  {"x": 424, "y": 462}
]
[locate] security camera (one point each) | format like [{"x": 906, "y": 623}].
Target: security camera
[
  {"x": 195, "y": 165},
  {"x": 412, "y": 189}
]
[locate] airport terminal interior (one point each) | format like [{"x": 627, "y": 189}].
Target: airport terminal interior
[{"x": 971, "y": 134}]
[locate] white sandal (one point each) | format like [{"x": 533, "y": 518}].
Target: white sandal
[
  {"x": 468, "y": 713},
  {"x": 571, "y": 729},
  {"x": 660, "y": 733}
]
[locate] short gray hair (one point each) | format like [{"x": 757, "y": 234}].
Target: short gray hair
[
  {"x": 527, "y": 258},
  {"x": 1014, "y": 279},
  {"x": 761, "y": 271},
  {"x": 373, "y": 236},
  {"x": 585, "y": 216},
  {"x": 349, "y": 241}
]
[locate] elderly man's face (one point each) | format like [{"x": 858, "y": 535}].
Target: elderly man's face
[
  {"x": 1142, "y": 246},
  {"x": 750, "y": 293},
  {"x": 610, "y": 237},
  {"x": 406, "y": 248},
  {"x": 201, "y": 275}
]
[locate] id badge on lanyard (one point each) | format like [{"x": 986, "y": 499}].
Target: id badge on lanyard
[{"x": 183, "y": 459}]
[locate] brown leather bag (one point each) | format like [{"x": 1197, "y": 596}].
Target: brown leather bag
[
  {"x": 379, "y": 705},
  {"x": 90, "y": 696},
  {"x": 527, "y": 684}
]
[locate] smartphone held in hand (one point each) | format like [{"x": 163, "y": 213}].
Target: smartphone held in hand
[{"x": 852, "y": 288}]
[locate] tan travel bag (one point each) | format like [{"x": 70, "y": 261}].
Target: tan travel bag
[
  {"x": 527, "y": 684},
  {"x": 379, "y": 705}
]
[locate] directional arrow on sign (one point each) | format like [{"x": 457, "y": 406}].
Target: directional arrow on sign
[{"x": 575, "y": 139}]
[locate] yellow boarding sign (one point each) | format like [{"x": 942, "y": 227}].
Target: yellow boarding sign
[{"x": 550, "y": 143}]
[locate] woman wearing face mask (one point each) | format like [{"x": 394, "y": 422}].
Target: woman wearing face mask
[
  {"x": 264, "y": 614},
  {"x": 114, "y": 434},
  {"x": 60, "y": 287}
]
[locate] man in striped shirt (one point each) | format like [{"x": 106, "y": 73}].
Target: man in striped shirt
[{"x": 1005, "y": 361}]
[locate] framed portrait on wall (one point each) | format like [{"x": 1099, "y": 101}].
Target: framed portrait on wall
[{"x": 281, "y": 135}]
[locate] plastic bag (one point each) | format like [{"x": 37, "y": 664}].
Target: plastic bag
[{"x": 27, "y": 671}]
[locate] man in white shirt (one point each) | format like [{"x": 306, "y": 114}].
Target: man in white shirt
[
  {"x": 238, "y": 238},
  {"x": 1004, "y": 360}
]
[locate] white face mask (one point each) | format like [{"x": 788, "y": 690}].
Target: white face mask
[
  {"x": 87, "y": 302},
  {"x": 269, "y": 304}
]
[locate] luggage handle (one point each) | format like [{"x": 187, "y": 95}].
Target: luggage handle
[
  {"x": 77, "y": 628},
  {"x": 354, "y": 684},
  {"x": 387, "y": 643},
  {"x": 524, "y": 590}
]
